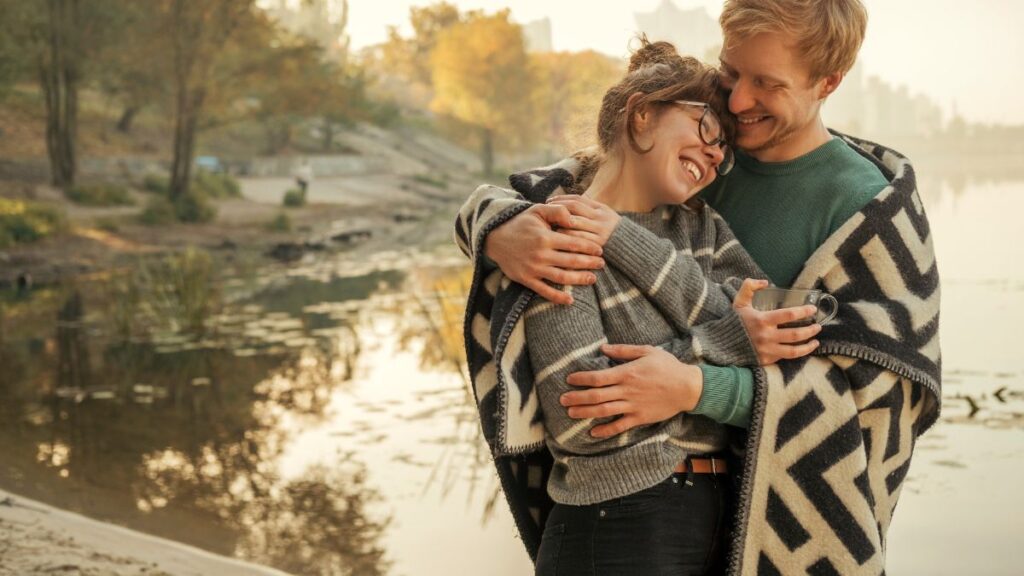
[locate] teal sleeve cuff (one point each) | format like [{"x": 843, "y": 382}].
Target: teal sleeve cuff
[{"x": 727, "y": 396}]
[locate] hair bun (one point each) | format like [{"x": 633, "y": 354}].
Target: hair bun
[{"x": 652, "y": 53}]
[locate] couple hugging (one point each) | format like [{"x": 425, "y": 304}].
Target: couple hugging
[{"x": 645, "y": 416}]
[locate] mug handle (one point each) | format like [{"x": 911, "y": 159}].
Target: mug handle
[{"x": 835, "y": 308}]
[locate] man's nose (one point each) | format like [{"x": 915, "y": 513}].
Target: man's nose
[{"x": 740, "y": 98}]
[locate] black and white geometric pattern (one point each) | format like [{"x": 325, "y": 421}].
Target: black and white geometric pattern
[{"x": 831, "y": 436}]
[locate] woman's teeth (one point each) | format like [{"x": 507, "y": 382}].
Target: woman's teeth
[
  {"x": 751, "y": 120},
  {"x": 693, "y": 169}
]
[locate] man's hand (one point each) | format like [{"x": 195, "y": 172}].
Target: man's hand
[
  {"x": 652, "y": 386},
  {"x": 771, "y": 342},
  {"x": 529, "y": 251}
]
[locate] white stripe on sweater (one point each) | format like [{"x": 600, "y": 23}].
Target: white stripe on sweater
[
  {"x": 620, "y": 298},
  {"x": 570, "y": 357},
  {"x": 663, "y": 274},
  {"x": 727, "y": 246},
  {"x": 700, "y": 304},
  {"x": 574, "y": 430}
]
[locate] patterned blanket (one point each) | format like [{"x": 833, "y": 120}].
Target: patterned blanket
[{"x": 831, "y": 436}]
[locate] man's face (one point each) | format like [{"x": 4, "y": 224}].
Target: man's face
[{"x": 776, "y": 104}]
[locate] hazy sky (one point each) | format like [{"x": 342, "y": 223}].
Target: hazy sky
[{"x": 963, "y": 51}]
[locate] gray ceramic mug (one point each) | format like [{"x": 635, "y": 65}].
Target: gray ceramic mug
[{"x": 772, "y": 298}]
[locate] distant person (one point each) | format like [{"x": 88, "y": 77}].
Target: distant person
[
  {"x": 304, "y": 177},
  {"x": 830, "y": 437}
]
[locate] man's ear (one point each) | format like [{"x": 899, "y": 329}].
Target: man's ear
[{"x": 828, "y": 84}]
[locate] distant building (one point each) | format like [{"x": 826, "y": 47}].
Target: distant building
[
  {"x": 874, "y": 109},
  {"x": 693, "y": 32},
  {"x": 537, "y": 35}
]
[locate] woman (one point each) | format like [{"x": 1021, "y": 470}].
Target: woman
[{"x": 651, "y": 500}]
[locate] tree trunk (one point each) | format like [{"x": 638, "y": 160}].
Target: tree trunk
[
  {"x": 186, "y": 118},
  {"x": 487, "y": 151},
  {"x": 328, "y": 142},
  {"x": 124, "y": 125},
  {"x": 58, "y": 73}
]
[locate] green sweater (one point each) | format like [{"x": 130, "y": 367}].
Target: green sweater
[{"x": 781, "y": 212}]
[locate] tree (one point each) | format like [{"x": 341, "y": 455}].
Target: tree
[
  {"x": 482, "y": 76},
  {"x": 132, "y": 73},
  {"x": 405, "y": 63},
  {"x": 203, "y": 36},
  {"x": 571, "y": 88}
]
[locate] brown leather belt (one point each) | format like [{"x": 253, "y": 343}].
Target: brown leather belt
[{"x": 701, "y": 466}]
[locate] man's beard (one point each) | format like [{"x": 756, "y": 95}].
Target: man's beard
[{"x": 775, "y": 139}]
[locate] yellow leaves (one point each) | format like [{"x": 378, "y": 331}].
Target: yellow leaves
[
  {"x": 11, "y": 207},
  {"x": 571, "y": 89},
  {"x": 482, "y": 73}
]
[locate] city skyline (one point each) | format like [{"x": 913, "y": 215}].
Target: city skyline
[{"x": 943, "y": 53}]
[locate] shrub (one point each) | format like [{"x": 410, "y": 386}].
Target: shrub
[
  {"x": 294, "y": 198},
  {"x": 27, "y": 222},
  {"x": 158, "y": 211},
  {"x": 100, "y": 194},
  {"x": 156, "y": 184},
  {"x": 281, "y": 223},
  {"x": 216, "y": 185},
  {"x": 195, "y": 206}
]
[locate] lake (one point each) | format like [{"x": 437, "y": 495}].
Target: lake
[{"x": 316, "y": 417}]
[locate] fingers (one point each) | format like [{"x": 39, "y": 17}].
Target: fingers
[
  {"x": 745, "y": 297},
  {"x": 594, "y": 378},
  {"x": 549, "y": 292},
  {"x": 796, "y": 335},
  {"x": 799, "y": 350},
  {"x": 575, "y": 205},
  {"x": 626, "y": 351},
  {"x": 566, "y": 243},
  {"x": 787, "y": 352},
  {"x": 785, "y": 315},
  {"x": 614, "y": 428},
  {"x": 560, "y": 276},
  {"x": 590, "y": 236},
  {"x": 577, "y": 199},
  {"x": 602, "y": 410},
  {"x": 575, "y": 261},
  {"x": 553, "y": 214}
]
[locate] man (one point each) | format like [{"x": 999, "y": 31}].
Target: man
[{"x": 813, "y": 209}]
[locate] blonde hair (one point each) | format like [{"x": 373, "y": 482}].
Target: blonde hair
[{"x": 828, "y": 33}]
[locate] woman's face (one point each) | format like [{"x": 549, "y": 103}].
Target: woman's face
[{"x": 680, "y": 164}]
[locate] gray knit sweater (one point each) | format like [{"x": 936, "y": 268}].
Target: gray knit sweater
[{"x": 684, "y": 304}]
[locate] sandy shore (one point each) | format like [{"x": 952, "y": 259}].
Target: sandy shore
[{"x": 39, "y": 539}]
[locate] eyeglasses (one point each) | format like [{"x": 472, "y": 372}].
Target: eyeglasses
[{"x": 711, "y": 134}]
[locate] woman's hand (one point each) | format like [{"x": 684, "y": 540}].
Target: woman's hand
[
  {"x": 530, "y": 252},
  {"x": 652, "y": 386},
  {"x": 771, "y": 342},
  {"x": 592, "y": 220}
]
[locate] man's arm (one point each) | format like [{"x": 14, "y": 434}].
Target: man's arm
[{"x": 497, "y": 227}]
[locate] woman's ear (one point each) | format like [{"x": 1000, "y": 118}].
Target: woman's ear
[{"x": 641, "y": 113}]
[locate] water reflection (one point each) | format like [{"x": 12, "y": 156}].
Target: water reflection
[{"x": 169, "y": 406}]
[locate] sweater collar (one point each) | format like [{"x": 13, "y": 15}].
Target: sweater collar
[{"x": 813, "y": 158}]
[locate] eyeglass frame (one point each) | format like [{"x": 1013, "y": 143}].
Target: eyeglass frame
[{"x": 727, "y": 152}]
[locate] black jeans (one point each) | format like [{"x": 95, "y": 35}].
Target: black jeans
[{"x": 669, "y": 529}]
